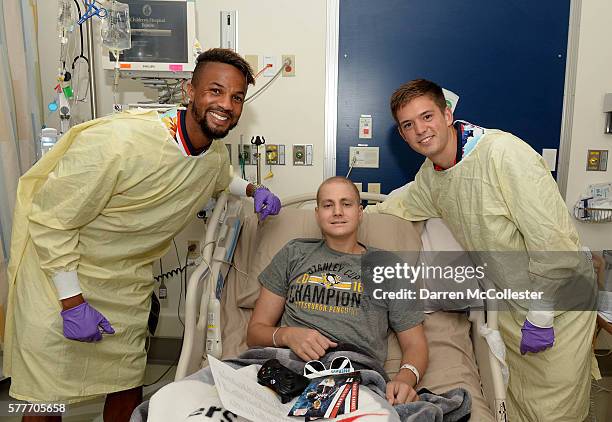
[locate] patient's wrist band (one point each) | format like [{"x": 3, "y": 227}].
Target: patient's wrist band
[
  {"x": 413, "y": 369},
  {"x": 274, "y": 334}
]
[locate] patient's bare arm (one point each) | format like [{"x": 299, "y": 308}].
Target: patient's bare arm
[
  {"x": 414, "y": 352},
  {"x": 262, "y": 331}
]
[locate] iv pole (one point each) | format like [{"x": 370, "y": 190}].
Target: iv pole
[{"x": 92, "y": 71}]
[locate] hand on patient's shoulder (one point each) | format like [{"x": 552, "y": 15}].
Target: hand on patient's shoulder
[{"x": 307, "y": 343}]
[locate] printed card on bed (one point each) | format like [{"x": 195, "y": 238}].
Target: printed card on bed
[{"x": 328, "y": 397}]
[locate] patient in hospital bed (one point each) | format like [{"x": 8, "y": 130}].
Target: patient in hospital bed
[
  {"x": 317, "y": 288},
  {"x": 327, "y": 311}
]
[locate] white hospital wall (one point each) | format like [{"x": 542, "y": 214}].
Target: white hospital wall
[
  {"x": 291, "y": 111},
  {"x": 593, "y": 80}
]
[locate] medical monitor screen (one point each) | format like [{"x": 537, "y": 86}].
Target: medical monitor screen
[{"x": 159, "y": 32}]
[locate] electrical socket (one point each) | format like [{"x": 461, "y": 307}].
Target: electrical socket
[
  {"x": 193, "y": 251},
  {"x": 269, "y": 63},
  {"x": 288, "y": 63},
  {"x": 374, "y": 187}
]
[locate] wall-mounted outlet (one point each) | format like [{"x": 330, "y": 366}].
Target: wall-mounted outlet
[
  {"x": 597, "y": 160},
  {"x": 365, "y": 157},
  {"x": 275, "y": 155},
  {"x": 374, "y": 187},
  {"x": 302, "y": 154},
  {"x": 193, "y": 251},
  {"x": 269, "y": 63},
  {"x": 288, "y": 63}
]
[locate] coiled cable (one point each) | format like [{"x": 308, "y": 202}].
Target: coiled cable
[{"x": 171, "y": 273}]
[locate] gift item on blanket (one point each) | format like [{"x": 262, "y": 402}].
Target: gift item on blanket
[
  {"x": 328, "y": 397},
  {"x": 452, "y": 406}
]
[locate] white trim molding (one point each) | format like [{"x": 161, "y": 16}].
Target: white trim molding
[
  {"x": 331, "y": 87},
  {"x": 569, "y": 96}
]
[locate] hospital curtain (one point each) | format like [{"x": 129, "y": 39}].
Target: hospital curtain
[{"x": 20, "y": 114}]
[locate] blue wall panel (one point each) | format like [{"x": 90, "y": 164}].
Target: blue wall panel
[{"x": 504, "y": 58}]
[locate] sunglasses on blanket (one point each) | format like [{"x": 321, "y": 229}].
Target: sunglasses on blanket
[{"x": 339, "y": 365}]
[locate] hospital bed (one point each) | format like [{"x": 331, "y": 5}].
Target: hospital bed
[{"x": 223, "y": 288}]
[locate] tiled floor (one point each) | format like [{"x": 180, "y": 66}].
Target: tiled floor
[{"x": 92, "y": 410}]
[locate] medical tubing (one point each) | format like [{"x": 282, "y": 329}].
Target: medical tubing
[
  {"x": 178, "y": 307},
  {"x": 80, "y": 31},
  {"x": 263, "y": 88}
]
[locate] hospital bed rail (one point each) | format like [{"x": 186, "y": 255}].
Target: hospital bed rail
[
  {"x": 200, "y": 292},
  {"x": 201, "y": 321}
]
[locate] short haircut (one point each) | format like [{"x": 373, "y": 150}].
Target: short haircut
[
  {"x": 340, "y": 179},
  {"x": 414, "y": 89},
  {"x": 222, "y": 55}
]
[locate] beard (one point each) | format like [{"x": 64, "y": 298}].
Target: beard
[{"x": 210, "y": 132}]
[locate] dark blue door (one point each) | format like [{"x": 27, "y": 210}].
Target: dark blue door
[{"x": 504, "y": 58}]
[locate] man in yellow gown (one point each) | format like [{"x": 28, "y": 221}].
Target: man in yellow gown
[
  {"x": 91, "y": 218},
  {"x": 497, "y": 195}
]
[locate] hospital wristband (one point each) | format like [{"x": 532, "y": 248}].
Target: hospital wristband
[
  {"x": 67, "y": 284},
  {"x": 413, "y": 369}
]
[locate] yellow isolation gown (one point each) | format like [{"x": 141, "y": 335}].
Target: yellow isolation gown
[
  {"x": 106, "y": 201},
  {"x": 501, "y": 197}
]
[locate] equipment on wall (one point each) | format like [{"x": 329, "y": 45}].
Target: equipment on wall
[{"x": 163, "y": 40}]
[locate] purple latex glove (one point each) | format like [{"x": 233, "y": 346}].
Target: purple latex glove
[
  {"x": 266, "y": 203},
  {"x": 536, "y": 339},
  {"x": 84, "y": 323}
]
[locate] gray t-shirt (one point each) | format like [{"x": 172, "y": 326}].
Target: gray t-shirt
[{"x": 324, "y": 291}]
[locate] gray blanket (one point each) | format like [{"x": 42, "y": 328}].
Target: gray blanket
[{"x": 452, "y": 406}]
